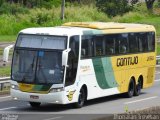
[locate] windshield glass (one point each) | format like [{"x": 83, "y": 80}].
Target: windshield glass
[
  {"x": 42, "y": 41},
  {"x": 38, "y": 67}
]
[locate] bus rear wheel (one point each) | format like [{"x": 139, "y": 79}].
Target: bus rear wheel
[
  {"x": 34, "y": 104},
  {"x": 131, "y": 89},
  {"x": 81, "y": 98},
  {"x": 138, "y": 88}
]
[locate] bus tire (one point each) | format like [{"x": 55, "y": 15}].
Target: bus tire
[
  {"x": 138, "y": 88},
  {"x": 34, "y": 104},
  {"x": 81, "y": 98},
  {"x": 131, "y": 89}
]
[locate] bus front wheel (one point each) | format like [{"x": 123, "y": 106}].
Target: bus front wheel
[
  {"x": 81, "y": 98},
  {"x": 35, "y": 104}
]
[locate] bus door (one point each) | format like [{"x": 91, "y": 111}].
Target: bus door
[{"x": 73, "y": 58}]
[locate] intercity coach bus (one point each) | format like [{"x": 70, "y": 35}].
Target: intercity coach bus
[{"x": 79, "y": 61}]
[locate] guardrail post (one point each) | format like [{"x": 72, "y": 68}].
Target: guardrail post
[
  {"x": 157, "y": 59},
  {"x": 1, "y": 86}
]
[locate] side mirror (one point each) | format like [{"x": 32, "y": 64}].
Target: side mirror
[
  {"x": 65, "y": 57},
  {"x": 6, "y": 53}
]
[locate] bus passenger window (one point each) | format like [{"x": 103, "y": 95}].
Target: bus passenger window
[
  {"x": 151, "y": 41},
  {"x": 98, "y": 40},
  {"x": 86, "y": 50},
  {"x": 110, "y": 44},
  {"x": 133, "y": 43},
  {"x": 142, "y": 39},
  {"x": 123, "y": 43}
]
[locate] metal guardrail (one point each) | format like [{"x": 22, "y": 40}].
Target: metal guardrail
[
  {"x": 158, "y": 59},
  {"x": 4, "y": 84}
]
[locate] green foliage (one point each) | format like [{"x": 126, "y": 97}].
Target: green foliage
[
  {"x": 158, "y": 49},
  {"x": 7, "y": 8},
  {"x": 33, "y": 3},
  {"x": 39, "y": 17},
  {"x": 1, "y": 2},
  {"x": 84, "y": 2},
  {"x": 7, "y": 38},
  {"x": 5, "y": 71},
  {"x": 113, "y": 7}
]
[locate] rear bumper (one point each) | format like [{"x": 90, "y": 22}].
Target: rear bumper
[{"x": 56, "y": 98}]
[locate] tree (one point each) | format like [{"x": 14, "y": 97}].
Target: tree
[
  {"x": 134, "y": 1},
  {"x": 149, "y": 4},
  {"x": 113, "y": 7},
  {"x": 159, "y": 3}
]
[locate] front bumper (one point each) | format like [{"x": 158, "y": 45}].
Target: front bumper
[{"x": 56, "y": 98}]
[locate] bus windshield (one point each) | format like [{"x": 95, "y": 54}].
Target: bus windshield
[
  {"x": 38, "y": 67},
  {"x": 38, "y": 59}
]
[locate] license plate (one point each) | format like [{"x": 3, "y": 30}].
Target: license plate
[{"x": 34, "y": 97}]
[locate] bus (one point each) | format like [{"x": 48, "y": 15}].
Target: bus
[{"x": 80, "y": 61}]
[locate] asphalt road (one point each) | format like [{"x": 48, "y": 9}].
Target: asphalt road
[{"x": 93, "y": 109}]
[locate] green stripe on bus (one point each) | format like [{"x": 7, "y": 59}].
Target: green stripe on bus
[
  {"x": 104, "y": 73},
  {"x": 41, "y": 87}
]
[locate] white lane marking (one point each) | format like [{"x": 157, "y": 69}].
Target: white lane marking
[
  {"x": 54, "y": 118},
  {"x": 157, "y": 80},
  {"x": 157, "y": 65},
  {"x": 7, "y": 108},
  {"x": 5, "y": 97},
  {"x": 141, "y": 100}
]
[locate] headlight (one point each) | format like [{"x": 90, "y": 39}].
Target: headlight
[
  {"x": 15, "y": 87},
  {"x": 57, "y": 89}
]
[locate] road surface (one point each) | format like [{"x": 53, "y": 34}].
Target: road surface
[{"x": 91, "y": 111}]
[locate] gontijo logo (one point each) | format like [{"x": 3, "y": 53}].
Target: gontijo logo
[
  {"x": 126, "y": 61},
  {"x": 70, "y": 95}
]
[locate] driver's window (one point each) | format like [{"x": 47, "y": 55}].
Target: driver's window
[{"x": 73, "y": 56}]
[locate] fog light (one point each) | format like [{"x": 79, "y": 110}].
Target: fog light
[
  {"x": 15, "y": 98},
  {"x": 15, "y": 87}
]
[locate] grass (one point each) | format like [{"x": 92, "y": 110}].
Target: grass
[
  {"x": 5, "y": 71},
  {"x": 7, "y": 38},
  {"x": 41, "y": 17},
  {"x": 1, "y": 51},
  {"x": 158, "y": 49}
]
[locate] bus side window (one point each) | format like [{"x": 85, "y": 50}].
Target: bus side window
[
  {"x": 98, "y": 46},
  {"x": 110, "y": 44},
  {"x": 86, "y": 49},
  {"x": 123, "y": 43},
  {"x": 151, "y": 41},
  {"x": 142, "y": 39},
  {"x": 133, "y": 43},
  {"x": 73, "y": 56}
]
